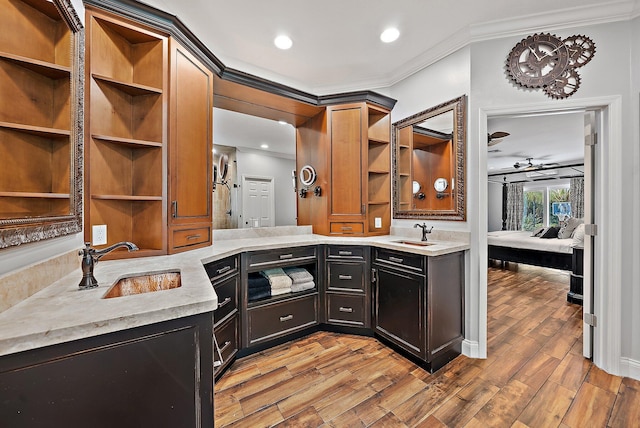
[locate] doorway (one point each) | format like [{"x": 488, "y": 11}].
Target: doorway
[{"x": 258, "y": 203}]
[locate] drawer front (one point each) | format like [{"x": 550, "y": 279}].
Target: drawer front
[
  {"x": 221, "y": 268},
  {"x": 350, "y": 252},
  {"x": 413, "y": 262},
  {"x": 227, "y": 292},
  {"x": 227, "y": 338},
  {"x": 347, "y": 228},
  {"x": 189, "y": 237},
  {"x": 281, "y": 318},
  {"x": 346, "y": 309},
  {"x": 260, "y": 258},
  {"x": 344, "y": 276}
]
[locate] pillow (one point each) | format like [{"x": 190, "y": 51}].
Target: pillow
[
  {"x": 550, "y": 232},
  {"x": 537, "y": 231},
  {"x": 568, "y": 226},
  {"x": 578, "y": 236}
]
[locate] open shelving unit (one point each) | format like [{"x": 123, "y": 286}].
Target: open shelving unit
[
  {"x": 126, "y": 131},
  {"x": 378, "y": 170},
  {"x": 35, "y": 113}
]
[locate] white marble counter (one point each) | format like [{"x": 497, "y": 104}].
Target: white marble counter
[{"x": 61, "y": 312}]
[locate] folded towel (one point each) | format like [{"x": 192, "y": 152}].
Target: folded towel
[
  {"x": 256, "y": 281},
  {"x": 259, "y": 293},
  {"x": 309, "y": 285},
  {"x": 280, "y": 291},
  {"x": 277, "y": 278},
  {"x": 298, "y": 274}
]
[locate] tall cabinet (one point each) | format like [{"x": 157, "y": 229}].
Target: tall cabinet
[
  {"x": 349, "y": 147},
  {"x": 148, "y": 129}
]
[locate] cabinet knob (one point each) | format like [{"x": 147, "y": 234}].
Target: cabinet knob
[
  {"x": 345, "y": 277},
  {"x": 286, "y": 318},
  {"x": 347, "y": 310}
]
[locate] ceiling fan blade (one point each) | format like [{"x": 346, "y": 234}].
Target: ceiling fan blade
[{"x": 498, "y": 134}]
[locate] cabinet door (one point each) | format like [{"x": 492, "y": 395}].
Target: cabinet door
[
  {"x": 400, "y": 309},
  {"x": 347, "y": 193},
  {"x": 191, "y": 125}
]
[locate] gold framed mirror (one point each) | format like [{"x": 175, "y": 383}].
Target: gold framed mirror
[
  {"x": 429, "y": 155},
  {"x": 41, "y": 130}
]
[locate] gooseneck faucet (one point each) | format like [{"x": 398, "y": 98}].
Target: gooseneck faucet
[
  {"x": 425, "y": 230},
  {"x": 90, "y": 257}
]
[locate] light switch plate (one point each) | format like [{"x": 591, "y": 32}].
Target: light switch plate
[
  {"x": 99, "y": 234},
  {"x": 378, "y": 222}
]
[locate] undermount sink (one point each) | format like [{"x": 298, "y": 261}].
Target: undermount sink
[
  {"x": 417, "y": 243},
  {"x": 144, "y": 283}
]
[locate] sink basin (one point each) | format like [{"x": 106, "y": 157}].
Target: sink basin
[
  {"x": 417, "y": 243},
  {"x": 144, "y": 283}
]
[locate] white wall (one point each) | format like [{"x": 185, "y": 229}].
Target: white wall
[
  {"x": 253, "y": 163},
  {"x": 607, "y": 76},
  {"x": 494, "y": 205}
]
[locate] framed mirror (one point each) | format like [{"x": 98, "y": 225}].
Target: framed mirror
[
  {"x": 41, "y": 130},
  {"x": 429, "y": 155}
]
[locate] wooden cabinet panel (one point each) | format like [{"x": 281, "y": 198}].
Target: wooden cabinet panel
[
  {"x": 346, "y": 276},
  {"x": 346, "y": 309},
  {"x": 190, "y": 237},
  {"x": 191, "y": 137},
  {"x": 346, "y": 161},
  {"x": 227, "y": 292},
  {"x": 228, "y": 340},
  {"x": 346, "y": 228}
]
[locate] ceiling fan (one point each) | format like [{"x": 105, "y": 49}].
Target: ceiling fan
[
  {"x": 496, "y": 137},
  {"x": 530, "y": 166}
]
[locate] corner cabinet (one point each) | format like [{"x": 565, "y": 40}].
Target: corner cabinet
[
  {"x": 190, "y": 155},
  {"x": 419, "y": 304},
  {"x": 140, "y": 132},
  {"x": 349, "y": 147}
]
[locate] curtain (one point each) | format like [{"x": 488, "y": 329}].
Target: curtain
[
  {"x": 515, "y": 206},
  {"x": 576, "y": 197}
]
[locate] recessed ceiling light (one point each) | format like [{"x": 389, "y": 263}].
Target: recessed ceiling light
[
  {"x": 390, "y": 35},
  {"x": 264, "y": 146},
  {"x": 282, "y": 122},
  {"x": 283, "y": 42}
]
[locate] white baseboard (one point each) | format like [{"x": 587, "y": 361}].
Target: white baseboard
[
  {"x": 630, "y": 368},
  {"x": 471, "y": 349}
]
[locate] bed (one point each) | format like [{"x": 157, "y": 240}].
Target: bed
[{"x": 521, "y": 247}]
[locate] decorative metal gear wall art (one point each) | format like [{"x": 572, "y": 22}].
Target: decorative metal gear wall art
[{"x": 545, "y": 61}]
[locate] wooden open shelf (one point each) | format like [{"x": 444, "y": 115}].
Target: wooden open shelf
[
  {"x": 379, "y": 125},
  {"x": 126, "y": 141},
  {"x": 132, "y": 89},
  {"x": 47, "y": 69}
]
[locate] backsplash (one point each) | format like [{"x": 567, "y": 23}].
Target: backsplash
[{"x": 18, "y": 285}]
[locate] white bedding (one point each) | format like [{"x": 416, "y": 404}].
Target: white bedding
[{"x": 523, "y": 239}]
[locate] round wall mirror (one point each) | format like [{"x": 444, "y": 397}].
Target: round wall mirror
[
  {"x": 440, "y": 184},
  {"x": 307, "y": 175},
  {"x": 223, "y": 166},
  {"x": 416, "y": 187}
]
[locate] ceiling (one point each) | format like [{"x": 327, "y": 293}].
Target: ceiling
[{"x": 336, "y": 48}]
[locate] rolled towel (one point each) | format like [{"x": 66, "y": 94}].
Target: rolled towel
[
  {"x": 277, "y": 278},
  {"x": 257, "y": 281},
  {"x": 298, "y": 274},
  {"x": 259, "y": 293},
  {"x": 280, "y": 291},
  {"x": 309, "y": 285}
]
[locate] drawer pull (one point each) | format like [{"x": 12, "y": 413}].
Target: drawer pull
[
  {"x": 223, "y": 270},
  {"x": 286, "y": 256},
  {"x": 191, "y": 237},
  {"x": 347, "y": 228},
  {"x": 286, "y": 318},
  {"x": 345, "y": 277},
  {"x": 224, "y": 302},
  {"x": 347, "y": 310},
  {"x": 396, "y": 259},
  {"x": 345, "y": 253}
]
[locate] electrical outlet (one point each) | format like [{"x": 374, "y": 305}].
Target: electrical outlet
[
  {"x": 378, "y": 222},
  {"x": 99, "y": 234}
]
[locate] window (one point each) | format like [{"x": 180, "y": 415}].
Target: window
[{"x": 545, "y": 206}]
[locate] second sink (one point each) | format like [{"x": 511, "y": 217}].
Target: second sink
[{"x": 144, "y": 283}]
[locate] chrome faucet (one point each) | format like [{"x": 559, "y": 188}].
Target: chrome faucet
[
  {"x": 90, "y": 257},
  {"x": 425, "y": 230}
]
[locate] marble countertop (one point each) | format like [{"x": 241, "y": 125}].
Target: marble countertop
[{"x": 61, "y": 312}]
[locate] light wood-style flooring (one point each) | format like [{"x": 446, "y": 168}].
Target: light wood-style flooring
[{"x": 534, "y": 376}]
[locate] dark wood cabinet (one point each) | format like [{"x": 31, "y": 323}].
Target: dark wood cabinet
[
  {"x": 347, "y": 293},
  {"x": 157, "y": 375},
  {"x": 419, "y": 304},
  {"x": 224, "y": 275}
]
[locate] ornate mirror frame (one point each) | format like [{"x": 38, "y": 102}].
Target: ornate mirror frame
[
  {"x": 459, "y": 108},
  {"x": 17, "y": 231}
]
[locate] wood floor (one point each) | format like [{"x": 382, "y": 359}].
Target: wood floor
[{"x": 534, "y": 376}]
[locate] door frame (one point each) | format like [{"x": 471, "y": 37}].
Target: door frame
[
  {"x": 607, "y": 305},
  {"x": 243, "y": 186}
]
